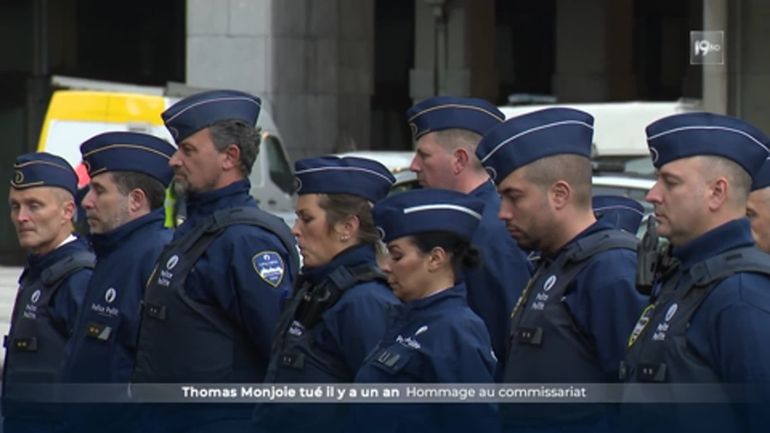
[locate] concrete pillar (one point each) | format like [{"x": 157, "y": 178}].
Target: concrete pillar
[
  {"x": 593, "y": 51},
  {"x": 454, "y": 49},
  {"x": 748, "y": 63},
  {"x": 715, "y": 76},
  {"x": 309, "y": 60}
]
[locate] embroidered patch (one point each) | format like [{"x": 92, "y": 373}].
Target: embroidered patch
[{"x": 269, "y": 266}]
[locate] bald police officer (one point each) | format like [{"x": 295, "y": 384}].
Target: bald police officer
[
  {"x": 213, "y": 302},
  {"x": 51, "y": 287},
  {"x": 446, "y": 131},
  {"x": 708, "y": 314},
  {"x": 571, "y": 323}
]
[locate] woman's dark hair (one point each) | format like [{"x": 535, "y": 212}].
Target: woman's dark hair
[{"x": 464, "y": 255}]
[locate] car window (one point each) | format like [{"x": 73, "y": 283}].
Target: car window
[{"x": 280, "y": 170}]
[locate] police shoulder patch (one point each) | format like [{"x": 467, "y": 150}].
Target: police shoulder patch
[{"x": 269, "y": 266}]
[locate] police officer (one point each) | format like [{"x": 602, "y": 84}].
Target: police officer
[
  {"x": 573, "y": 318},
  {"x": 623, "y": 212},
  {"x": 446, "y": 132},
  {"x": 758, "y": 207},
  {"x": 129, "y": 172},
  {"x": 51, "y": 287},
  {"x": 434, "y": 337},
  {"x": 711, "y": 312},
  {"x": 337, "y": 315},
  {"x": 213, "y": 301}
]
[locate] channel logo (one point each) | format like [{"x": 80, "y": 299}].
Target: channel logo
[{"x": 707, "y": 48}]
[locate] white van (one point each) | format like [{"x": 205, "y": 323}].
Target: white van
[
  {"x": 618, "y": 126},
  {"x": 74, "y": 115}
]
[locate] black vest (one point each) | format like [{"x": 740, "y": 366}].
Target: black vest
[
  {"x": 546, "y": 345},
  {"x": 183, "y": 340},
  {"x": 543, "y": 334},
  {"x": 661, "y": 354},
  {"x": 294, "y": 355},
  {"x": 35, "y": 344},
  {"x": 658, "y": 351}
]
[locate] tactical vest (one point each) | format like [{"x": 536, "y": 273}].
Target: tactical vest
[
  {"x": 295, "y": 357},
  {"x": 35, "y": 345},
  {"x": 545, "y": 344},
  {"x": 183, "y": 340},
  {"x": 543, "y": 333},
  {"x": 660, "y": 354}
]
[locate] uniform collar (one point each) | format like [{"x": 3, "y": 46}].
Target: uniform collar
[
  {"x": 450, "y": 297},
  {"x": 206, "y": 203},
  {"x": 728, "y": 236},
  {"x": 105, "y": 243},
  {"x": 36, "y": 264},
  {"x": 355, "y": 255},
  {"x": 485, "y": 189},
  {"x": 599, "y": 225}
]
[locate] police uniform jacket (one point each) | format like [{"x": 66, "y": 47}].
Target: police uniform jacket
[
  {"x": 364, "y": 305},
  {"x": 228, "y": 278},
  {"x": 103, "y": 345},
  {"x": 707, "y": 337},
  {"x": 41, "y": 324},
  {"x": 333, "y": 349},
  {"x": 437, "y": 339},
  {"x": 601, "y": 300}
]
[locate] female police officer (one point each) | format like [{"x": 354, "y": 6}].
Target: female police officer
[
  {"x": 434, "y": 337},
  {"x": 337, "y": 314}
]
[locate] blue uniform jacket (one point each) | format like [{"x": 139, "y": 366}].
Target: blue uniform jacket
[
  {"x": 226, "y": 275},
  {"x": 438, "y": 339},
  {"x": 604, "y": 302},
  {"x": 125, "y": 258},
  {"x": 496, "y": 285},
  {"x": 729, "y": 325},
  {"x": 69, "y": 297},
  {"x": 353, "y": 326}
]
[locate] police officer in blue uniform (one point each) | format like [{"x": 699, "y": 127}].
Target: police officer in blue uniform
[
  {"x": 434, "y": 337},
  {"x": 758, "y": 207},
  {"x": 213, "y": 301},
  {"x": 623, "y": 212},
  {"x": 711, "y": 313},
  {"x": 446, "y": 132},
  {"x": 129, "y": 172},
  {"x": 337, "y": 315},
  {"x": 571, "y": 323},
  {"x": 51, "y": 287}
]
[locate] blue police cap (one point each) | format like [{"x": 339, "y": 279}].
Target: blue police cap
[
  {"x": 446, "y": 112},
  {"x": 128, "y": 151},
  {"x": 762, "y": 177},
  {"x": 692, "y": 134},
  {"x": 524, "y": 139},
  {"x": 623, "y": 212},
  {"x": 361, "y": 177},
  {"x": 202, "y": 110},
  {"x": 43, "y": 169},
  {"x": 425, "y": 210}
]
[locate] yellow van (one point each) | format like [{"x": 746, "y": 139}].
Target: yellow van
[{"x": 73, "y": 116}]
